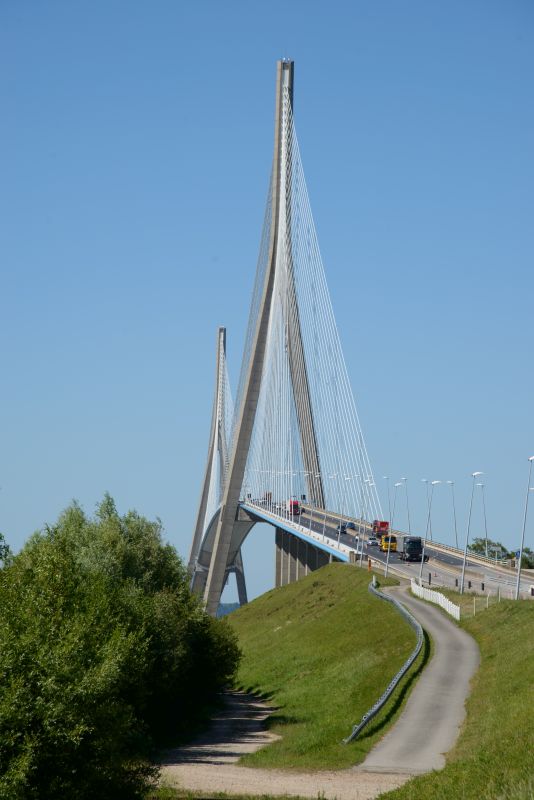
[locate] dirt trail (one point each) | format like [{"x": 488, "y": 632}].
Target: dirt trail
[{"x": 208, "y": 764}]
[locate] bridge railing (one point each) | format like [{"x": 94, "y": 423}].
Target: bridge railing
[
  {"x": 503, "y": 564},
  {"x": 496, "y": 563},
  {"x": 289, "y": 521}
]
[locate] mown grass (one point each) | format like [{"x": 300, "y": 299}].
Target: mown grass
[
  {"x": 322, "y": 651},
  {"x": 494, "y": 756},
  {"x": 471, "y": 603}
]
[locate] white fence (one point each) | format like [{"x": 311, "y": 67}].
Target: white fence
[{"x": 436, "y": 597}]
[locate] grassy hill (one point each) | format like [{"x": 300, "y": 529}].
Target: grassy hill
[
  {"x": 323, "y": 650},
  {"x": 493, "y": 758},
  {"x": 322, "y": 647}
]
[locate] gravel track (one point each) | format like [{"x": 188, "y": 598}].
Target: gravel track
[{"x": 208, "y": 764}]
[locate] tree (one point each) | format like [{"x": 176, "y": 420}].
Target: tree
[
  {"x": 527, "y": 560},
  {"x": 478, "y": 545},
  {"x": 103, "y": 653}
]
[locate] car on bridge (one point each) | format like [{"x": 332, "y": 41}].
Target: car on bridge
[
  {"x": 372, "y": 541},
  {"x": 351, "y": 526}
]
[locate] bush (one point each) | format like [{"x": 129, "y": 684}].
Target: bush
[{"x": 103, "y": 653}]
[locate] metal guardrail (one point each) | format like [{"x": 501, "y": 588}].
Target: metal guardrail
[
  {"x": 503, "y": 564},
  {"x": 334, "y": 547},
  {"x": 373, "y": 711}
]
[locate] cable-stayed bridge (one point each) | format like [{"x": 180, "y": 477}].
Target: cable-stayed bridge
[{"x": 293, "y": 434}]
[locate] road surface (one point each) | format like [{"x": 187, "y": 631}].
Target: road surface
[{"x": 434, "y": 712}]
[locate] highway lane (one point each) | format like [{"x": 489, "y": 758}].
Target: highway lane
[{"x": 442, "y": 568}]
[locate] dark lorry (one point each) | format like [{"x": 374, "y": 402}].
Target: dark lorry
[{"x": 409, "y": 548}]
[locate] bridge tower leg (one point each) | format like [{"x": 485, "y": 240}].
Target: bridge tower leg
[
  {"x": 240, "y": 579},
  {"x": 247, "y": 412},
  {"x": 217, "y": 442},
  {"x": 217, "y": 450}
]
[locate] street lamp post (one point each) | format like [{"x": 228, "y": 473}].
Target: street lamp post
[
  {"x": 531, "y": 459},
  {"x": 485, "y": 519},
  {"x": 428, "y": 528},
  {"x": 405, "y": 481},
  {"x": 392, "y": 517},
  {"x": 451, "y": 484},
  {"x": 366, "y": 504},
  {"x": 386, "y": 478},
  {"x": 343, "y": 508},
  {"x": 474, "y": 475},
  {"x": 426, "y": 482}
]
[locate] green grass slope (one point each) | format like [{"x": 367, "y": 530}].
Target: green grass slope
[
  {"x": 494, "y": 756},
  {"x": 323, "y": 650}
]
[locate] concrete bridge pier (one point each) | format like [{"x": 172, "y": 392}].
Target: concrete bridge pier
[{"x": 295, "y": 558}]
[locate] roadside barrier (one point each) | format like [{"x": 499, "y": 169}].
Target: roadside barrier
[
  {"x": 373, "y": 711},
  {"x": 436, "y": 597}
]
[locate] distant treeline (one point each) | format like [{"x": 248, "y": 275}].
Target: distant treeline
[{"x": 104, "y": 655}]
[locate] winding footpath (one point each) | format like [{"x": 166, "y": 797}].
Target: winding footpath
[{"x": 417, "y": 743}]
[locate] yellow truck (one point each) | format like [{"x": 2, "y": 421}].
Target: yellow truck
[{"x": 388, "y": 542}]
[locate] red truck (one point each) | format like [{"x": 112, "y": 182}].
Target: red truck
[
  {"x": 380, "y": 527},
  {"x": 293, "y": 507}
]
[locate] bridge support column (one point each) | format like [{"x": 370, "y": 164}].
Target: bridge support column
[
  {"x": 295, "y": 558},
  {"x": 302, "y": 559},
  {"x": 279, "y": 565}
]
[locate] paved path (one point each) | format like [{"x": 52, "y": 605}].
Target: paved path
[
  {"x": 425, "y": 731},
  {"x": 430, "y": 722}
]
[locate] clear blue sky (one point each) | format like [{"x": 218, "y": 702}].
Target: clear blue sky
[{"x": 135, "y": 146}]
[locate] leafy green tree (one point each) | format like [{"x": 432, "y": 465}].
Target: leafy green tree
[
  {"x": 104, "y": 652},
  {"x": 478, "y": 545}
]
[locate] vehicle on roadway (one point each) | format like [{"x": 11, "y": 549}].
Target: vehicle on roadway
[
  {"x": 372, "y": 541},
  {"x": 351, "y": 526},
  {"x": 293, "y": 507},
  {"x": 342, "y": 527},
  {"x": 410, "y": 548},
  {"x": 380, "y": 527},
  {"x": 388, "y": 542}
]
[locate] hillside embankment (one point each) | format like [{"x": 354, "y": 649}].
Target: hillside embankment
[{"x": 492, "y": 756}]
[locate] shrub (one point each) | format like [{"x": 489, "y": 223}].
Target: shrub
[{"x": 103, "y": 653}]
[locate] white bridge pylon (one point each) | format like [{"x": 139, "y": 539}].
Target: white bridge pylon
[
  {"x": 296, "y": 432},
  {"x": 215, "y": 481}
]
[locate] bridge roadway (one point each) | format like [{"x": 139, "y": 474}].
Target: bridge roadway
[{"x": 442, "y": 569}]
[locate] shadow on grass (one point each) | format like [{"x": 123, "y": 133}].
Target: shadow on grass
[
  {"x": 399, "y": 699},
  {"x": 257, "y": 693},
  {"x": 274, "y": 718}
]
